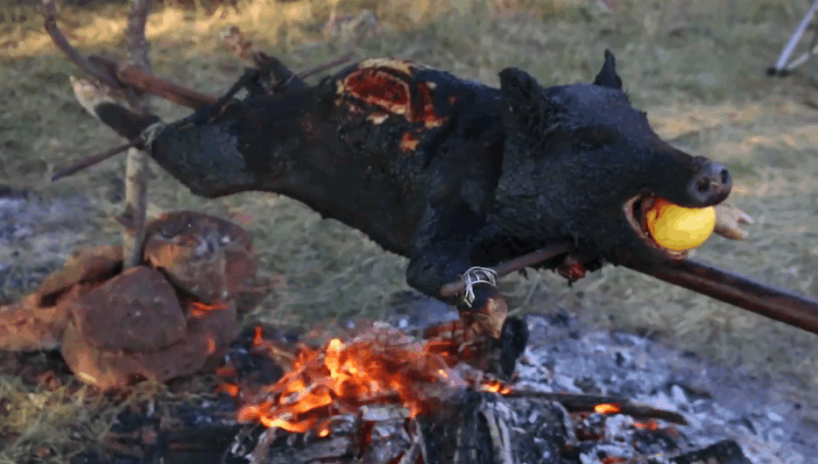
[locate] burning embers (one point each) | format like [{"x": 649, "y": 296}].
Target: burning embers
[
  {"x": 383, "y": 366},
  {"x": 161, "y": 320},
  {"x": 385, "y": 397}
]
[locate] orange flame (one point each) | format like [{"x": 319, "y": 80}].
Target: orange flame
[
  {"x": 382, "y": 366},
  {"x": 648, "y": 425},
  {"x": 258, "y": 336},
  {"x": 199, "y": 309},
  {"x": 342, "y": 377},
  {"x": 229, "y": 388},
  {"x": 495, "y": 386},
  {"x": 607, "y": 408}
]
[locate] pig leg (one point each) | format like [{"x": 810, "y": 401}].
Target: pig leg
[
  {"x": 249, "y": 80},
  {"x": 484, "y": 335},
  {"x": 472, "y": 337}
]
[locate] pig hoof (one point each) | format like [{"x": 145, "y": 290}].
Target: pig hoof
[
  {"x": 728, "y": 221},
  {"x": 477, "y": 275},
  {"x": 508, "y": 348}
]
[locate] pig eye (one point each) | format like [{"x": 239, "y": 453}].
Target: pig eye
[{"x": 591, "y": 138}]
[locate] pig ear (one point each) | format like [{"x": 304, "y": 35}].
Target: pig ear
[
  {"x": 607, "y": 76},
  {"x": 525, "y": 105}
]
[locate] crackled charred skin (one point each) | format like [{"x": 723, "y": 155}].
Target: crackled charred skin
[
  {"x": 370, "y": 147},
  {"x": 447, "y": 172}
]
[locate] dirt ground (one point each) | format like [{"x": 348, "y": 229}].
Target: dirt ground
[{"x": 697, "y": 68}]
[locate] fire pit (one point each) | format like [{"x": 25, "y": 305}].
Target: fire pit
[
  {"x": 379, "y": 394},
  {"x": 383, "y": 396}
]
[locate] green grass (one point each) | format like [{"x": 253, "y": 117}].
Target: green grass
[{"x": 697, "y": 67}]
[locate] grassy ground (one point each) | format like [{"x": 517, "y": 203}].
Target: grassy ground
[{"x": 697, "y": 67}]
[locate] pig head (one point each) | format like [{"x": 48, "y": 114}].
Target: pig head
[{"x": 581, "y": 163}]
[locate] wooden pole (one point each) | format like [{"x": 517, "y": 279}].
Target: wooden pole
[{"x": 736, "y": 289}]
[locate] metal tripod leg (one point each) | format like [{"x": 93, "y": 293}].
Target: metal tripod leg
[
  {"x": 781, "y": 67},
  {"x": 813, "y": 50}
]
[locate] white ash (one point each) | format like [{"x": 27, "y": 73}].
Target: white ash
[
  {"x": 720, "y": 402},
  {"x": 36, "y": 235},
  {"x": 562, "y": 357}
]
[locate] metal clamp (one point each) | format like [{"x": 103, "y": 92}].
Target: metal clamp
[{"x": 477, "y": 275}]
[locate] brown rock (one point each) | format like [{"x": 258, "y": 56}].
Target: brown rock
[
  {"x": 218, "y": 325},
  {"x": 105, "y": 369},
  {"x": 83, "y": 265},
  {"x": 208, "y": 257},
  {"x": 137, "y": 310},
  {"x": 25, "y": 326},
  {"x": 37, "y": 321},
  {"x": 207, "y": 336}
]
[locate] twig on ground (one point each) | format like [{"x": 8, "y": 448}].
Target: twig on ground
[{"x": 238, "y": 43}]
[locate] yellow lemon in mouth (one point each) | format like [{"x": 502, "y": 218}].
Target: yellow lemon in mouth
[{"x": 677, "y": 228}]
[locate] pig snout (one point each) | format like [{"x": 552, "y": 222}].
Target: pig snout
[{"x": 710, "y": 185}]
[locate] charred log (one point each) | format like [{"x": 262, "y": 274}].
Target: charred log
[
  {"x": 723, "y": 452},
  {"x": 480, "y": 428}
]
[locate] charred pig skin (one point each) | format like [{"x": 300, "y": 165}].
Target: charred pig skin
[{"x": 450, "y": 173}]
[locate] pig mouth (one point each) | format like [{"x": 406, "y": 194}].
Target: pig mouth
[{"x": 635, "y": 211}]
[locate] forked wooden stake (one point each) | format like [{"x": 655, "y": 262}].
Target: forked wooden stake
[{"x": 133, "y": 218}]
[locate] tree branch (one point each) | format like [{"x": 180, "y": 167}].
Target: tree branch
[{"x": 50, "y": 13}]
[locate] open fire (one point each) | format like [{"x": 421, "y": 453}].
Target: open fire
[
  {"x": 383, "y": 366},
  {"x": 384, "y": 396}
]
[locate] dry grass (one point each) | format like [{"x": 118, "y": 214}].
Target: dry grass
[{"x": 695, "y": 66}]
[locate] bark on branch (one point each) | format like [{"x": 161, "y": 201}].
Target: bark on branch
[
  {"x": 138, "y": 51},
  {"x": 99, "y": 72},
  {"x": 136, "y": 188}
]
